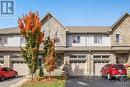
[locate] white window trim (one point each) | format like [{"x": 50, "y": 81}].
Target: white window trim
[
  {"x": 119, "y": 38},
  {"x": 76, "y": 38},
  {"x": 99, "y": 41}
]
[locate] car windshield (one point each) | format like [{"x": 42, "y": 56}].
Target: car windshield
[{"x": 119, "y": 66}]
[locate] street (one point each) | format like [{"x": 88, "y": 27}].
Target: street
[
  {"x": 9, "y": 82},
  {"x": 95, "y": 82}
]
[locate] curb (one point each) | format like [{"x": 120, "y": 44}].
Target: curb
[{"x": 20, "y": 83}]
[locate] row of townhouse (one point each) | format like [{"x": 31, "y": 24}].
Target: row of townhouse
[{"x": 86, "y": 48}]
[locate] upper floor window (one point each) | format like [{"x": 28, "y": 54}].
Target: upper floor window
[
  {"x": 22, "y": 40},
  {"x": 3, "y": 40},
  {"x": 98, "y": 39},
  {"x": 76, "y": 39},
  {"x": 57, "y": 38},
  {"x": 117, "y": 38}
]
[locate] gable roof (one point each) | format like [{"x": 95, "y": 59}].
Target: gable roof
[
  {"x": 118, "y": 21},
  {"x": 71, "y": 29},
  {"x": 48, "y": 16},
  {"x": 88, "y": 29}
]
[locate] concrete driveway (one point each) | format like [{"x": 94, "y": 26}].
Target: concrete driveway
[
  {"x": 95, "y": 82},
  {"x": 10, "y": 81}
]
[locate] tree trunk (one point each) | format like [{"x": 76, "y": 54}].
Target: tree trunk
[
  {"x": 31, "y": 76},
  {"x": 49, "y": 75}
]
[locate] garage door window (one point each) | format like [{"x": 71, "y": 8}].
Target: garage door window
[
  {"x": 96, "y": 56},
  {"x": 15, "y": 56},
  {"x": 78, "y": 56},
  {"x": 73, "y": 56},
  {"x": 77, "y": 61},
  {"x": 101, "y": 56},
  {"x": 105, "y": 56}
]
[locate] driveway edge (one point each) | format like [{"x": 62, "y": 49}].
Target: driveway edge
[{"x": 20, "y": 83}]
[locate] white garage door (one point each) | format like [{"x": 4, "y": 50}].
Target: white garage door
[
  {"x": 99, "y": 62},
  {"x": 77, "y": 68},
  {"x": 21, "y": 68},
  {"x": 98, "y": 66}
]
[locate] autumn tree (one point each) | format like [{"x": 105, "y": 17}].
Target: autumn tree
[
  {"x": 50, "y": 56},
  {"x": 30, "y": 28}
]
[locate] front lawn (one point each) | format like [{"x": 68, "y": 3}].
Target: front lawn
[{"x": 45, "y": 83}]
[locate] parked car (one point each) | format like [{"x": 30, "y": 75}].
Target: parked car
[
  {"x": 117, "y": 71},
  {"x": 6, "y": 72}
]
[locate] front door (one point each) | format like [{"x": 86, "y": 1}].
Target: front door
[{"x": 59, "y": 60}]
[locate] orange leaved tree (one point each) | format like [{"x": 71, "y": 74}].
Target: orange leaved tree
[
  {"x": 50, "y": 56},
  {"x": 30, "y": 28}
]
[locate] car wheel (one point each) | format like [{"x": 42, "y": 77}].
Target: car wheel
[
  {"x": 121, "y": 78},
  {"x": 2, "y": 78},
  {"x": 15, "y": 75},
  {"x": 108, "y": 76}
]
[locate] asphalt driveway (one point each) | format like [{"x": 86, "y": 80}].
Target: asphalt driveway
[
  {"x": 95, "y": 82},
  {"x": 10, "y": 81}
]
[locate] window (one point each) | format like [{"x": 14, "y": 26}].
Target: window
[
  {"x": 15, "y": 56},
  {"x": 57, "y": 38},
  {"x": 97, "y": 39},
  {"x": 119, "y": 66},
  {"x": 106, "y": 56},
  {"x": 101, "y": 56},
  {"x": 76, "y": 39},
  {"x": 78, "y": 56},
  {"x": 73, "y": 56},
  {"x": 77, "y": 61},
  {"x": 97, "y": 56},
  {"x": 117, "y": 38},
  {"x": 22, "y": 40},
  {"x": 81, "y": 56},
  {"x": 5, "y": 40},
  {"x": 1, "y": 41}
]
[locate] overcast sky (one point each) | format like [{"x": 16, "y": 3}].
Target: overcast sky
[{"x": 71, "y": 12}]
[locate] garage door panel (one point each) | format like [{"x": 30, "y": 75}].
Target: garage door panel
[
  {"x": 98, "y": 67},
  {"x": 99, "y": 62},
  {"x": 21, "y": 68},
  {"x": 77, "y": 68}
]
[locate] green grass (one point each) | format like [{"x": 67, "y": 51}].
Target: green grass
[{"x": 57, "y": 83}]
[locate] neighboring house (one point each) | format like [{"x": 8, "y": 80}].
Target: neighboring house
[{"x": 86, "y": 48}]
